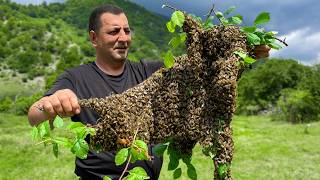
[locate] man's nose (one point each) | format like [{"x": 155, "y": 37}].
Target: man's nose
[{"x": 123, "y": 36}]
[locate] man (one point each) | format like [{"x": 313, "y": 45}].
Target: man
[{"x": 110, "y": 35}]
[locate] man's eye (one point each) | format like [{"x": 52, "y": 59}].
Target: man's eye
[
  {"x": 127, "y": 31},
  {"x": 113, "y": 32}
]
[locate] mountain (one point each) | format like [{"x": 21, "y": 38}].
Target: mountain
[{"x": 43, "y": 40}]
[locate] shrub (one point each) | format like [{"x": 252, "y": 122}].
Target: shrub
[
  {"x": 23, "y": 103},
  {"x": 5, "y": 104},
  {"x": 297, "y": 106}
]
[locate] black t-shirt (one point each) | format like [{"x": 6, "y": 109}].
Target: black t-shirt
[{"x": 88, "y": 81}]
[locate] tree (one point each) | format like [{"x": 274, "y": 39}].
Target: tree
[{"x": 261, "y": 87}]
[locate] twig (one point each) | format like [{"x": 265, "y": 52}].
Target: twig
[
  {"x": 126, "y": 167},
  {"x": 129, "y": 158},
  {"x": 210, "y": 12},
  {"x": 43, "y": 141},
  {"x": 282, "y": 41},
  {"x": 135, "y": 134},
  {"x": 171, "y": 7},
  {"x": 217, "y": 16}
]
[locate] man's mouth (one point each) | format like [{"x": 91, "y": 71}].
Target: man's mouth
[{"x": 122, "y": 48}]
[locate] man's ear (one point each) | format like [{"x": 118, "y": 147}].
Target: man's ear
[{"x": 93, "y": 38}]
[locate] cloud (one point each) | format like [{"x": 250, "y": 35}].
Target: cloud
[
  {"x": 298, "y": 21},
  {"x": 36, "y": 1},
  {"x": 304, "y": 46}
]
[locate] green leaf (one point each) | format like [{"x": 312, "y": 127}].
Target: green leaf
[
  {"x": 58, "y": 122},
  {"x": 235, "y": 20},
  {"x": 121, "y": 156},
  {"x": 192, "y": 173},
  {"x": 63, "y": 142},
  {"x": 224, "y": 21},
  {"x": 138, "y": 154},
  {"x": 219, "y": 14},
  {"x": 171, "y": 26},
  {"x": 274, "y": 45},
  {"x": 81, "y": 132},
  {"x": 44, "y": 129},
  {"x": 91, "y": 131},
  {"x": 240, "y": 54},
  {"x": 272, "y": 33},
  {"x": 55, "y": 149},
  {"x": 74, "y": 125},
  {"x": 80, "y": 129},
  {"x": 249, "y": 60},
  {"x": 262, "y": 18},
  {"x": 253, "y": 39},
  {"x": 159, "y": 149},
  {"x": 177, "y": 173},
  {"x": 249, "y": 29},
  {"x": 139, "y": 172},
  {"x": 34, "y": 133},
  {"x": 80, "y": 148},
  {"x": 229, "y": 10},
  {"x": 245, "y": 57},
  {"x": 186, "y": 159},
  {"x": 131, "y": 177},
  {"x": 178, "y": 18},
  {"x": 107, "y": 178},
  {"x": 168, "y": 59},
  {"x": 173, "y": 162},
  {"x": 183, "y": 37},
  {"x": 222, "y": 170},
  {"x": 208, "y": 24},
  {"x": 139, "y": 150},
  {"x": 140, "y": 144},
  {"x": 177, "y": 40}
]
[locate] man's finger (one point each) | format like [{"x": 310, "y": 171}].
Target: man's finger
[
  {"x": 66, "y": 105},
  {"x": 75, "y": 105},
  {"x": 57, "y": 105},
  {"x": 48, "y": 108}
]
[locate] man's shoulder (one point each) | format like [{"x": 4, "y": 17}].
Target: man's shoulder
[
  {"x": 146, "y": 66},
  {"x": 83, "y": 68},
  {"x": 146, "y": 63}
]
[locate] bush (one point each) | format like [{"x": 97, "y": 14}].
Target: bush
[
  {"x": 297, "y": 106},
  {"x": 23, "y": 103},
  {"x": 5, "y": 104}
]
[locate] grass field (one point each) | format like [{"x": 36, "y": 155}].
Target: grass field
[{"x": 264, "y": 150}]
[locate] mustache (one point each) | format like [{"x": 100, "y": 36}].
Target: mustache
[{"x": 121, "y": 47}]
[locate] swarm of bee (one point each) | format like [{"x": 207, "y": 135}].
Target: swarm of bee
[{"x": 193, "y": 101}]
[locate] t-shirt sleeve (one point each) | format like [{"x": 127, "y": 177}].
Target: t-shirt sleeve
[
  {"x": 64, "y": 81},
  {"x": 151, "y": 66}
]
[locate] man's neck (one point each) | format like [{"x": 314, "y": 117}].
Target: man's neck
[{"x": 111, "y": 68}]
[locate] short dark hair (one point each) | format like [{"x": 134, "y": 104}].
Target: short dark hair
[{"x": 94, "y": 20}]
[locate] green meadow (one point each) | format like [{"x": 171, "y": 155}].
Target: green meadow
[{"x": 264, "y": 149}]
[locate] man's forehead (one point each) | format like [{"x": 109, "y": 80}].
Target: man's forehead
[{"x": 114, "y": 19}]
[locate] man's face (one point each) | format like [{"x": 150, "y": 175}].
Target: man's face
[{"x": 113, "y": 37}]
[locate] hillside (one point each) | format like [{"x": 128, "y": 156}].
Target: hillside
[{"x": 44, "y": 40}]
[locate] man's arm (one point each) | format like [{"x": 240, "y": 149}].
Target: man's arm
[{"x": 63, "y": 103}]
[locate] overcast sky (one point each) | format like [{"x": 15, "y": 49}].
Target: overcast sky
[{"x": 297, "y": 20}]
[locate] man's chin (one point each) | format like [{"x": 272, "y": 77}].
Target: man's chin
[{"x": 121, "y": 57}]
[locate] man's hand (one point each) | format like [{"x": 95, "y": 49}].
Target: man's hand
[
  {"x": 63, "y": 103},
  {"x": 261, "y": 51}
]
